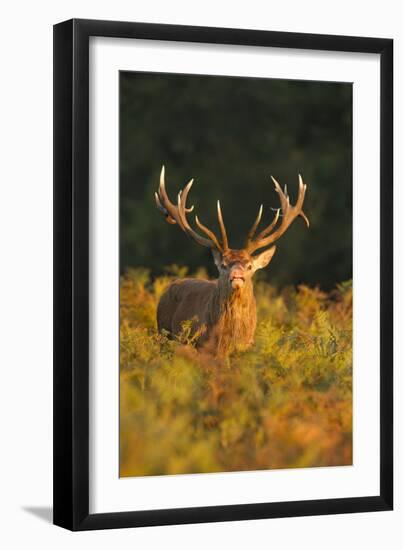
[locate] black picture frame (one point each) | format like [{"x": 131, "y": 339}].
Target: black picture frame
[{"x": 71, "y": 274}]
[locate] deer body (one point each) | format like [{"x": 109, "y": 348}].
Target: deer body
[
  {"x": 223, "y": 310},
  {"x": 226, "y": 320},
  {"x": 185, "y": 299}
]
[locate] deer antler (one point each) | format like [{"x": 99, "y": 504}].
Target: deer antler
[
  {"x": 177, "y": 214},
  {"x": 289, "y": 213}
]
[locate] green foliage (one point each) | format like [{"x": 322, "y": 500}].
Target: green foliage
[
  {"x": 230, "y": 134},
  {"x": 285, "y": 403}
]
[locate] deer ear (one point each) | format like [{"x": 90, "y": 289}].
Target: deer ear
[
  {"x": 217, "y": 257},
  {"x": 263, "y": 259}
]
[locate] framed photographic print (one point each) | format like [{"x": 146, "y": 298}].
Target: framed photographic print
[{"x": 223, "y": 318}]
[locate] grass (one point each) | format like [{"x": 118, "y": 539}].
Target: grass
[{"x": 285, "y": 403}]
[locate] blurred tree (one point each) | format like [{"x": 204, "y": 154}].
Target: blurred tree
[{"x": 230, "y": 134}]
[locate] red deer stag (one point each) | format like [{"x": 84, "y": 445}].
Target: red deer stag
[{"x": 223, "y": 310}]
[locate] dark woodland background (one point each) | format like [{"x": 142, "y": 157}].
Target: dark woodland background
[{"x": 230, "y": 134}]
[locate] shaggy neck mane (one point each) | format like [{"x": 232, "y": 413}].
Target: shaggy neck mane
[{"x": 233, "y": 312}]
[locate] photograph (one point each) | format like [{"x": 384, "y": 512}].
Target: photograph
[
  {"x": 200, "y": 281},
  {"x": 236, "y": 274}
]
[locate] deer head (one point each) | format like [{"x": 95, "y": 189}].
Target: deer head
[{"x": 236, "y": 267}]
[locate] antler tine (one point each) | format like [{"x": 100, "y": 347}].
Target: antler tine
[
  {"x": 222, "y": 227},
  {"x": 177, "y": 213},
  {"x": 301, "y": 198},
  {"x": 185, "y": 194},
  {"x": 289, "y": 213},
  {"x": 255, "y": 224},
  {"x": 270, "y": 227},
  {"x": 171, "y": 211},
  {"x": 209, "y": 233},
  {"x": 168, "y": 218},
  {"x": 284, "y": 198},
  {"x": 182, "y": 212},
  {"x": 266, "y": 231}
]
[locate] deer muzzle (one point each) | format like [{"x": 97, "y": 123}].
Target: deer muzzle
[{"x": 237, "y": 277}]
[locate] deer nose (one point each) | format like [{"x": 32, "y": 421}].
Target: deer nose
[{"x": 237, "y": 272}]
